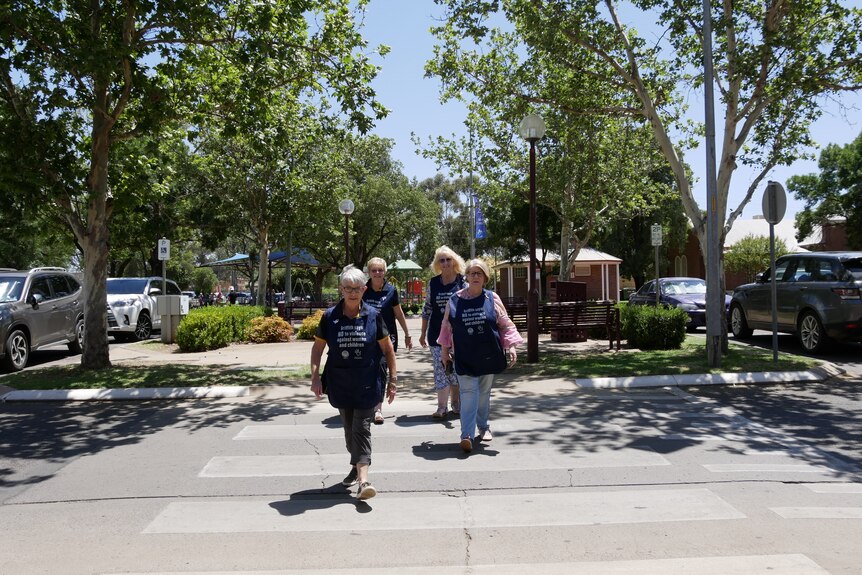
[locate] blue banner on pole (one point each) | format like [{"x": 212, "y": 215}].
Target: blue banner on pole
[{"x": 481, "y": 231}]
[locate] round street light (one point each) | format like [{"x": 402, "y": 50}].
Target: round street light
[
  {"x": 346, "y": 207},
  {"x": 532, "y": 128}
]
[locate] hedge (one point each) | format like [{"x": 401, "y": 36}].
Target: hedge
[
  {"x": 214, "y": 327},
  {"x": 651, "y": 327}
]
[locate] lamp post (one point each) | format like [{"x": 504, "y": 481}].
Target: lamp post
[
  {"x": 346, "y": 207},
  {"x": 532, "y": 129}
]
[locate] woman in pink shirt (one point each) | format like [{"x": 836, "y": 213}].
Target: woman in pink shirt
[{"x": 478, "y": 330}]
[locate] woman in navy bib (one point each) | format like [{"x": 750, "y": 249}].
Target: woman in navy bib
[
  {"x": 478, "y": 329},
  {"x": 357, "y": 339},
  {"x": 449, "y": 266},
  {"x": 382, "y": 296}
]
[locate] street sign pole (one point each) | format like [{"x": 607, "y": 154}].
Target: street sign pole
[
  {"x": 655, "y": 233},
  {"x": 164, "y": 250},
  {"x": 774, "y": 205}
]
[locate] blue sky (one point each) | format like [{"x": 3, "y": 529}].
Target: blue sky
[{"x": 415, "y": 107}]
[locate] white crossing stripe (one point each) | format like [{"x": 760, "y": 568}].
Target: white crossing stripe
[
  {"x": 765, "y": 468},
  {"x": 442, "y": 512},
  {"x": 791, "y": 564},
  {"x": 407, "y": 462},
  {"x": 848, "y": 488},
  {"x": 415, "y": 429},
  {"x": 818, "y": 512}
]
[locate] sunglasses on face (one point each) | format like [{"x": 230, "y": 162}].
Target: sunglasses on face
[
  {"x": 444, "y": 260},
  {"x": 380, "y": 271},
  {"x": 476, "y": 274}
]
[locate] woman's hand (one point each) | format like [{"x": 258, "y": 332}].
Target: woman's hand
[
  {"x": 408, "y": 341},
  {"x": 390, "y": 391},
  {"x": 316, "y": 386},
  {"x": 422, "y": 341},
  {"x": 513, "y": 356}
]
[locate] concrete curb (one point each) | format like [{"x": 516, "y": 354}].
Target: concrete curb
[
  {"x": 814, "y": 375},
  {"x": 126, "y": 394}
]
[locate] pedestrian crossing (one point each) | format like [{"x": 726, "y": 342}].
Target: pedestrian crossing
[
  {"x": 622, "y": 482},
  {"x": 791, "y": 564}
]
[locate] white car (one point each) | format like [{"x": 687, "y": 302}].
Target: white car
[{"x": 132, "y": 306}]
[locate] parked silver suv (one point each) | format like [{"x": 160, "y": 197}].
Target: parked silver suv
[
  {"x": 38, "y": 308},
  {"x": 819, "y": 297}
]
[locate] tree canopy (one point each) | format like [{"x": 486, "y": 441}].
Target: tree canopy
[
  {"x": 835, "y": 192},
  {"x": 80, "y": 77}
]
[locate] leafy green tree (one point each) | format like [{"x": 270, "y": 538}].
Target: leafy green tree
[
  {"x": 454, "y": 218},
  {"x": 835, "y": 192},
  {"x": 79, "y": 77},
  {"x": 391, "y": 218},
  {"x": 775, "y": 62},
  {"x": 593, "y": 166},
  {"x": 203, "y": 281},
  {"x": 750, "y": 255}
]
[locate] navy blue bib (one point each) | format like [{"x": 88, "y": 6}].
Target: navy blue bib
[
  {"x": 475, "y": 335},
  {"x": 353, "y": 359},
  {"x": 440, "y": 294}
]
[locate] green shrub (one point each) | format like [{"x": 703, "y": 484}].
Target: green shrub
[
  {"x": 309, "y": 325},
  {"x": 415, "y": 308},
  {"x": 651, "y": 327},
  {"x": 202, "y": 331},
  {"x": 269, "y": 330},
  {"x": 214, "y": 327}
]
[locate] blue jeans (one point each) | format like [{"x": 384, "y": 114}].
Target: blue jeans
[{"x": 475, "y": 403}]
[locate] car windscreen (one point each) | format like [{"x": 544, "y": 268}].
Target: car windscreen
[
  {"x": 684, "y": 287},
  {"x": 10, "y": 288},
  {"x": 126, "y": 285}
]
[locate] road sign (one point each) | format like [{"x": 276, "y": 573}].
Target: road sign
[
  {"x": 774, "y": 203},
  {"x": 164, "y": 249},
  {"x": 656, "y": 234}
]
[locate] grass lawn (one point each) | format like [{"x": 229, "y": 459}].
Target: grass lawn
[
  {"x": 691, "y": 358},
  {"x": 627, "y": 363},
  {"x": 124, "y": 376}
]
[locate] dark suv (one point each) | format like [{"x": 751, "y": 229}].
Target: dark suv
[
  {"x": 38, "y": 308},
  {"x": 819, "y": 297}
]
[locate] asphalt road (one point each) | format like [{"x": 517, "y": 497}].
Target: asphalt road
[
  {"x": 602, "y": 482},
  {"x": 846, "y": 355}
]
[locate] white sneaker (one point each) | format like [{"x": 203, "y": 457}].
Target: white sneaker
[{"x": 366, "y": 491}]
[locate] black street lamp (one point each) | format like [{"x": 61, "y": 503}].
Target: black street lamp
[
  {"x": 346, "y": 207},
  {"x": 532, "y": 129}
]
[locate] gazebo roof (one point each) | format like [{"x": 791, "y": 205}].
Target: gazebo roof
[{"x": 585, "y": 256}]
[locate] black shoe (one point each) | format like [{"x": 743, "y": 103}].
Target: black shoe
[
  {"x": 350, "y": 480},
  {"x": 366, "y": 491}
]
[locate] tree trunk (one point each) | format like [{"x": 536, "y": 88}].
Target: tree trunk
[
  {"x": 565, "y": 247},
  {"x": 263, "y": 268},
  {"x": 94, "y": 242}
]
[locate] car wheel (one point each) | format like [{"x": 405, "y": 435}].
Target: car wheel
[
  {"x": 738, "y": 323},
  {"x": 144, "y": 327},
  {"x": 810, "y": 333},
  {"x": 77, "y": 344},
  {"x": 17, "y": 351}
]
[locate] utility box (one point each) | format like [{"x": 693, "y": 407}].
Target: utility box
[{"x": 171, "y": 308}]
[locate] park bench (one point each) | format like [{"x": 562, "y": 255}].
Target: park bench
[
  {"x": 299, "y": 310},
  {"x": 570, "y": 321}
]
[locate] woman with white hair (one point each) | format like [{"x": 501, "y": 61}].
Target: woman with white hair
[
  {"x": 357, "y": 339},
  {"x": 449, "y": 266},
  {"x": 478, "y": 329},
  {"x": 383, "y": 296}
]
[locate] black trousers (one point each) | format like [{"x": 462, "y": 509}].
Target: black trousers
[{"x": 357, "y": 433}]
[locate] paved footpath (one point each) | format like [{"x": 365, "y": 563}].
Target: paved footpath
[{"x": 594, "y": 481}]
